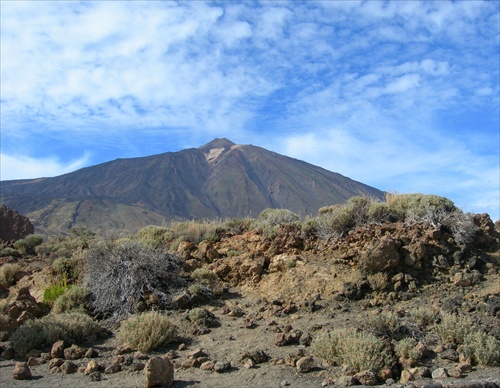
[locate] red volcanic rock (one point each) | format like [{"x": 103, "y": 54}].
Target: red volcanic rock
[{"x": 13, "y": 226}]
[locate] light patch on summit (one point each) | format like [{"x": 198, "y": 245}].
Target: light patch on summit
[{"x": 213, "y": 154}]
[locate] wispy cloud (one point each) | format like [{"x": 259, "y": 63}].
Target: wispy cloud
[
  {"x": 402, "y": 95},
  {"x": 24, "y": 167}
]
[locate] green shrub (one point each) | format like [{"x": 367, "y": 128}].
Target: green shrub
[
  {"x": 407, "y": 353},
  {"x": 8, "y": 274},
  {"x": 74, "y": 299},
  {"x": 421, "y": 208},
  {"x": 454, "y": 329},
  {"x": 482, "y": 348},
  {"x": 8, "y": 251},
  {"x": 43, "y": 332},
  {"x": 146, "y": 331},
  {"x": 28, "y": 244},
  {"x": 53, "y": 292},
  {"x": 121, "y": 275},
  {"x": 358, "y": 350},
  {"x": 155, "y": 235}
]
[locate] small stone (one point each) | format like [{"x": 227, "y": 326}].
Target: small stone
[
  {"x": 366, "y": 377},
  {"x": 124, "y": 349},
  {"x": 159, "y": 371},
  {"x": 305, "y": 364},
  {"x": 439, "y": 373},
  {"x": 69, "y": 367},
  {"x": 113, "y": 368},
  {"x": 406, "y": 376},
  {"x": 21, "y": 371},
  {"x": 345, "y": 381},
  {"x": 74, "y": 352},
  {"x": 208, "y": 365},
  {"x": 221, "y": 366},
  {"x": 57, "y": 350},
  {"x": 182, "y": 347},
  {"x": 95, "y": 376},
  {"x": 33, "y": 361},
  {"x": 8, "y": 354},
  {"x": 190, "y": 363},
  {"x": 389, "y": 381},
  {"x": 449, "y": 354},
  {"x": 455, "y": 373},
  {"x": 172, "y": 355},
  {"x": 91, "y": 353},
  {"x": 55, "y": 362},
  {"x": 248, "y": 363},
  {"x": 284, "y": 383},
  {"x": 137, "y": 366},
  {"x": 92, "y": 367},
  {"x": 420, "y": 371},
  {"x": 464, "y": 367},
  {"x": 385, "y": 374},
  {"x": 197, "y": 353}
]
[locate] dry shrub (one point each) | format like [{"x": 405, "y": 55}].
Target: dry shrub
[
  {"x": 358, "y": 350},
  {"x": 196, "y": 231},
  {"x": 482, "y": 348},
  {"x": 271, "y": 219},
  {"x": 8, "y": 274},
  {"x": 208, "y": 279},
  {"x": 407, "y": 353},
  {"x": 74, "y": 299},
  {"x": 146, "y": 331},
  {"x": 64, "y": 267},
  {"x": 385, "y": 324},
  {"x": 154, "y": 235},
  {"x": 423, "y": 316},
  {"x": 378, "y": 281},
  {"x": 453, "y": 329},
  {"x": 43, "y": 332},
  {"x": 121, "y": 275},
  {"x": 197, "y": 314}
]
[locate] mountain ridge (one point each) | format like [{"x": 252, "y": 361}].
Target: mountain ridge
[{"x": 218, "y": 179}]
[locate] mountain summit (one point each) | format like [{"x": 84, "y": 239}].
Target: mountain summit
[{"x": 218, "y": 179}]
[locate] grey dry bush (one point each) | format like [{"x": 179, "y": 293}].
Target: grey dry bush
[
  {"x": 146, "y": 331},
  {"x": 270, "y": 219},
  {"x": 358, "y": 350},
  {"x": 43, "y": 332},
  {"x": 453, "y": 329},
  {"x": 121, "y": 275}
]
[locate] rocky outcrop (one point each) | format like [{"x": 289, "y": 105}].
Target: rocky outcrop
[{"x": 13, "y": 226}]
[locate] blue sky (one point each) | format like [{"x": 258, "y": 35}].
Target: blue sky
[{"x": 401, "y": 95}]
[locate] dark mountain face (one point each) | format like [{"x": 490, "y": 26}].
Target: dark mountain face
[{"x": 219, "y": 179}]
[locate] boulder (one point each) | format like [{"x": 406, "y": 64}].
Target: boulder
[
  {"x": 305, "y": 364},
  {"x": 57, "y": 350},
  {"x": 380, "y": 255},
  {"x": 13, "y": 226},
  {"x": 159, "y": 372},
  {"x": 21, "y": 371},
  {"x": 366, "y": 377}
]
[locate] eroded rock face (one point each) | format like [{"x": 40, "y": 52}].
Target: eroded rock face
[{"x": 13, "y": 226}]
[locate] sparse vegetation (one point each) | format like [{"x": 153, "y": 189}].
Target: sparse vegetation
[
  {"x": 146, "y": 331},
  {"x": 120, "y": 276},
  {"x": 407, "y": 353},
  {"x": 74, "y": 299},
  {"x": 482, "y": 348},
  {"x": 453, "y": 329},
  {"x": 385, "y": 324},
  {"x": 357, "y": 350},
  {"x": 8, "y": 274},
  {"x": 43, "y": 332},
  {"x": 271, "y": 219},
  {"x": 208, "y": 279}
]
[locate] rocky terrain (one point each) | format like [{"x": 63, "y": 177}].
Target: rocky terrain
[
  {"x": 13, "y": 226},
  {"x": 274, "y": 298}
]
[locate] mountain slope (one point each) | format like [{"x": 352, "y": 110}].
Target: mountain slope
[{"x": 219, "y": 179}]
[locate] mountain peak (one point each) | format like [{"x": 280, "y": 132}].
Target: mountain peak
[{"x": 216, "y": 148}]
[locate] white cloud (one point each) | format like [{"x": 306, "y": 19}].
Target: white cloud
[{"x": 25, "y": 167}]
